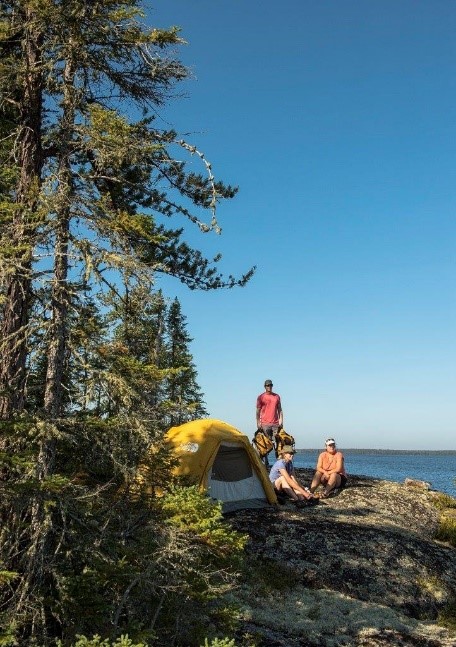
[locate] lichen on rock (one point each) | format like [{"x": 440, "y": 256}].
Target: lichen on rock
[{"x": 363, "y": 568}]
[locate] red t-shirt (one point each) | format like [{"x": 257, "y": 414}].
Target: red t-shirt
[{"x": 269, "y": 406}]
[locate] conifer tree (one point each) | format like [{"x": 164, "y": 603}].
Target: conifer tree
[
  {"x": 21, "y": 87},
  {"x": 92, "y": 182},
  {"x": 139, "y": 320},
  {"x": 183, "y": 392}
]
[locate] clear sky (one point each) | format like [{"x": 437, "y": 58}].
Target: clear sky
[{"x": 337, "y": 120}]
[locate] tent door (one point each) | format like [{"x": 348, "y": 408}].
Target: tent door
[{"x": 233, "y": 480}]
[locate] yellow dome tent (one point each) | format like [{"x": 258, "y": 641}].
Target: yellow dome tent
[{"x": 220, "y": 459}]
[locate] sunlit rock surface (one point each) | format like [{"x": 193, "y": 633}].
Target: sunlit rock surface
[{"x": 360, "y": 569}]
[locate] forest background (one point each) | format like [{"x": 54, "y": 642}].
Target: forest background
[{"x": 95, "y": 359}]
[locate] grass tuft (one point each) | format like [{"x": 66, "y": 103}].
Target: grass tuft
[
  {"x": 447, "y": 617},
  {"x": 444, "y": 501},
  {"x": 447, "y": 530}
]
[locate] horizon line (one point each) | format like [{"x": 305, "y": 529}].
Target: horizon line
[{"x": 374, "y": 449}]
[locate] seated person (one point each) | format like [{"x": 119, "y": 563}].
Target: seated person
[
  {"x": 330, "y": 470},
  {"x": 283, "y": 479}
]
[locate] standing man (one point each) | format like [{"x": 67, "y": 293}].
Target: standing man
[{"x": 269, "y": 414}]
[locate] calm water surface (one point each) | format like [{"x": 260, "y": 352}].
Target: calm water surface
[{"x": 437, "y": 468}]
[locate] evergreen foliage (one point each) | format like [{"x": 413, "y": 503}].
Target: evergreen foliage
[
  {"x": 97, "y": 641},
  {"x": 95, "y": 361},
  {"x": 184, "y": 397}
]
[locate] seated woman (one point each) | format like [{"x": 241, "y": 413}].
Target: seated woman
[
  {"x": 284, "y": 481},
  {"x": 330, "y": 470}
]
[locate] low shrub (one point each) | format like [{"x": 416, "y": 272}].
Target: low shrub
[
  {"x": 447, "y": 530},
  {"x": 96, "y": 641},
  {"x": 447, "y": 617},
  {"x": 444, "y": 501},
  {"x": 216, "y": 642},
  {"x": 124, "y": 641}
]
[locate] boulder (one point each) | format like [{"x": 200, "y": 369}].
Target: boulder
[{"x": 419, "y": 484}]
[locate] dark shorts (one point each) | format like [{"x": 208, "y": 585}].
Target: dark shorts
[
  {"x": 270, "y": 430},
  {"x": 343, "y": 481}
]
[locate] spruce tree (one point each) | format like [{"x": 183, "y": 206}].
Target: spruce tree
[
  {"x": 92, "y": 182},
  {"x": 21, "y": 87},
  {"x": 183, "y": 392}
]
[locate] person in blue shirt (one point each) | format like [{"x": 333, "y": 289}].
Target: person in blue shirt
[{"x": 284, "y": 481}]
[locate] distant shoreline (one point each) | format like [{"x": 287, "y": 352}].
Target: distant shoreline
[{"x": 385, "y": 451}]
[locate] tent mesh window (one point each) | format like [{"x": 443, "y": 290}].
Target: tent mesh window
[{"x": 231, "y": 464}]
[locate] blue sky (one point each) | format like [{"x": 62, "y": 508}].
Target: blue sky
[{"x": 337, "y": 120}]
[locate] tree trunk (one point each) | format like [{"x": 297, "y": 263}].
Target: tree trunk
[
  {"x": 58, "y": 337},
  {"x": 14, "y": 332}
]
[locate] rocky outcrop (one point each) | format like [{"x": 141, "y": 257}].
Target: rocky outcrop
[{"x": 360, "y": 569}]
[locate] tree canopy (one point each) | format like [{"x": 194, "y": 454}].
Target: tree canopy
[{"x": 95, "y": 361}]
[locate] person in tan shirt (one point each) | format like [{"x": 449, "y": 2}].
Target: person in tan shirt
[{"x": 330, "y": 470}]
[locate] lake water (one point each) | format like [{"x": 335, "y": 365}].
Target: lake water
[{"x": 436, "y": 468}]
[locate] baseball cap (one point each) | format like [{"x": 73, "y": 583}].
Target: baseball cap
[
  {"x": 268, "y": 382},
  {"x": 330, "y": 441},
  {"x": 287, "y": 449}
]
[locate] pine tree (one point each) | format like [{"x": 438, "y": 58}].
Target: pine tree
[
  {"x": 21, "y": 86},
  {"x": 183, "y": 392},
  {"x": 92, "y": 182},
  {"x": 139, "y": 321}
]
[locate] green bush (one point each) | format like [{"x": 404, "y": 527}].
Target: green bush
[
  {"x": 207, "y": 572},
  {"x": 96, "y": 641},
  {"x": 124, "y": 641},
  {"x": 223, "y": 642},
  {"x": 444, "y": 501},
  {"x": 447, "y": 530},
  {"x": 192, "y": 512}
]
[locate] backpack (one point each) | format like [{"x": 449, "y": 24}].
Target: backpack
[
  {"x": 283, "y": 438},
  {"x": 262, "y": 443}
]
